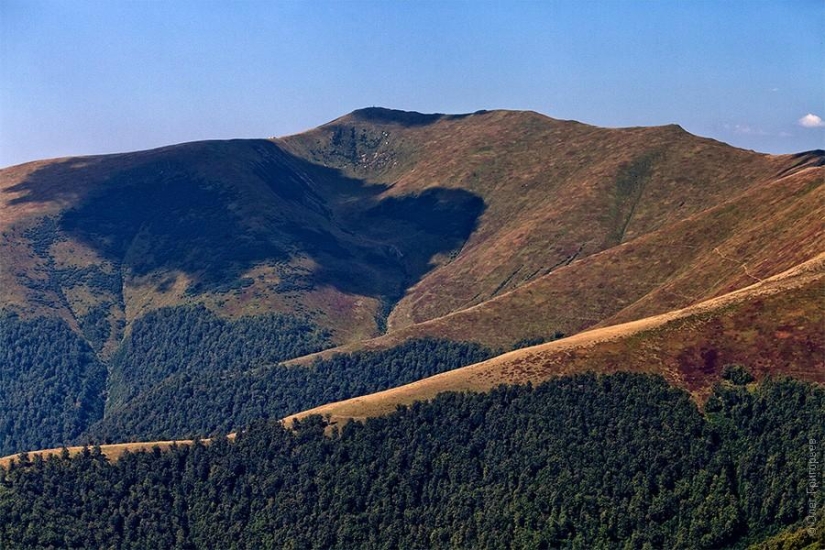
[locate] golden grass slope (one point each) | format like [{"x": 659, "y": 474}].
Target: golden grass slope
[
  {"x": 772, "y": 327},
  {"x": 112, "y": 452}
]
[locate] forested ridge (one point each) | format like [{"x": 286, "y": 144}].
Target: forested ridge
[
  {"x": 195, "y": 341},
  {"x": 54, "y": 386},
  {"x": 184, "y": 372},
  {"x": 617, "y": 461},
  {"x": 204, "y": 402}
]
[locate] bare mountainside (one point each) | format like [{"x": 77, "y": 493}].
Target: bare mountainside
[
  {"x": 699, "y": 258},
  {"x": 558, "y": 192}
]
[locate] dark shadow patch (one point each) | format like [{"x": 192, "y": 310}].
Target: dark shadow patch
[
  {"x": 806, "y": 159},
  {"x": 178, "y": 209},
  {"x": 629, "y": 187},
  {"x": 447, "y": 213},
  {"x": 288, "y": 182},
  {"x": 56, "y": 182},
  {"x": 151, "y": 219}
]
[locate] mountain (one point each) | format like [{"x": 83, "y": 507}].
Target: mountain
[
  {"x": 551, "y": 335},
  {"x": 557, "y": 192},
  {"x": 194, "y": 270}
]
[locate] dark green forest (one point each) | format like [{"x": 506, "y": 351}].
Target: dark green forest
[
  {"x": 51, "y": 383},
  {"x": 194, "y": 341},
  {"x": 53, "y": 386},
  {"x": 618, "y": 461},
  {"x": 204, "y": 401},
  {"x": 185, "y": 372}
]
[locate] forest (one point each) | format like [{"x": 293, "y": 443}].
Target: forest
[
  {"x": 184, "y": 372},
  {"x": 51, "y": 383},
  {"x": 585, "y": 462},
  {"x": 195, "y": 341},
  {"x": 206, "y": 401}
]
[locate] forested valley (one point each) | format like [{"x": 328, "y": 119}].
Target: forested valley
[
  {"x": 185, "y": 372},
  {"x": 203, "y": 402},
  {"x": 587, "y": 461}
]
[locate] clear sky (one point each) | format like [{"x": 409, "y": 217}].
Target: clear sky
[{"x": 87, "y": 77}]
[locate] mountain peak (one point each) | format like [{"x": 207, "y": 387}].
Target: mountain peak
[{"x": 396, "y": 116}]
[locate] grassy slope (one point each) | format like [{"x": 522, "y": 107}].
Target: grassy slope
[
  {"x": 556, "y": 192},
  {"x": 112, "y": 452},
  {"x": 772, "y": 327},
  {"x": 764, "y": 230}
]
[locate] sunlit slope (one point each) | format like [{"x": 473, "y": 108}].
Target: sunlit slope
[
  {"x": 556, "y": 192},
  {"x": 772, "y": 327},
  {"x": 112, "y": 452},
  {"x": 762, "y": 231}
]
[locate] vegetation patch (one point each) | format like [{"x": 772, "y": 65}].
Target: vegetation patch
[
  {"x": 192, "y": 403},
  {"x": 51, "y": 383},
  {"x": 195, "y": 342},
  {"x": 620, "y": 461}
]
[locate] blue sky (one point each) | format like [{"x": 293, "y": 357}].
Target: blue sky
[{"x": 88, "y": 77}]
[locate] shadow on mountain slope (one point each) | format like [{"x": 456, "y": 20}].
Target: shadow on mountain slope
[{"x": 215, "y": 209}]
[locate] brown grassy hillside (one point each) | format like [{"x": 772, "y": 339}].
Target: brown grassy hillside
[
  {"x": 766, "y": 229},
  {"x": 556, "y": 192},
  {"x": 773, "y": 327}
]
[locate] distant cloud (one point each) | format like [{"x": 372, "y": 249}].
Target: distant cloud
[{"x": 811, "y": 121}]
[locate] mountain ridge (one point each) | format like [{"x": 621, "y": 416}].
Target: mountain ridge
[
  {"x": 538, "y": 363},
  {"x": 495, "y": 227}
]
